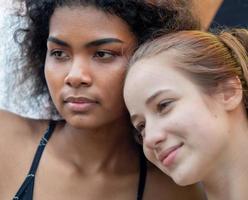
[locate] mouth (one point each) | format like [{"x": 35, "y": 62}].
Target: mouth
[
  {"x": 168, "y": 156},
  {"x": 72, "y": 99},
  {"x": 80, "y": 104}
]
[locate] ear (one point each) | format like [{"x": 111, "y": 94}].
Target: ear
[{"x": 231, "y": 93}]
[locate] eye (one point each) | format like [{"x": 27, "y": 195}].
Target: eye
[
  {"x": 139, "y": 132},
  {"x": 140, "y": 128},
  {"x": 105, "y": 55},
  {"x": 164, "y": 106},
  {"x": 59, "y": 55}
]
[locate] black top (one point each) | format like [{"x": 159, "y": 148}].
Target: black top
[{"x": 26, "y": 190}]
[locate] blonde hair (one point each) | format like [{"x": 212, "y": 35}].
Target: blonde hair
[{"x": 207, "y": 57}]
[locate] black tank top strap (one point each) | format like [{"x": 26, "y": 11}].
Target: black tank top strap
[
  {"x": 41, "y": 147},
  {"x": 26, "y": 190},
  {"x": 142, "y": 175}
]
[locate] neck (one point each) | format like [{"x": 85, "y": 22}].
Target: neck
[
  {"x": 229, "y": 178},
  {"x": 206, "y": 11},
  {"x": 230, "y": 185},
  {"x": 107, "y": 148}
]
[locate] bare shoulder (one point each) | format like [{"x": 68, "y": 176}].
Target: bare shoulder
[
  {"x": 162, "y": 187},
  {"x": 17, "y": 135},
  {"x": 19, "y": 138},
  {"x": 13, "y": 125}
]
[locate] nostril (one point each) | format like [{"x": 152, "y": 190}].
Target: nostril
[
  {"x": 72, "y": 81},
  {"x": 154, "y": 140},
  {"x": 78, "y": 79}
]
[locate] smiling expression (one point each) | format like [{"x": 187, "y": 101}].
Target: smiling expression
[{"x": 184, "y": 130}]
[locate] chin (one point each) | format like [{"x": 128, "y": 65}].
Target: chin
[
  {"x": 82, "y": 123},
  {"x": 182, "y": 182},
  {"x": 185, "y": 179}
]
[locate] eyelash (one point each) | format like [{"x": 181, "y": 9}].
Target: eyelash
[
  {"x": 140, "y": 128},
  {"x": 110, "y": 55},
  {"x": 163, "y": 106},
  {"x": 101, "y": 55},
  {"x": 140, "y": 132},
  {"x": 61, "y": 58}
]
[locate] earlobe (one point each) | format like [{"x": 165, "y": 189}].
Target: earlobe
[{"x": 232, "y": 93}]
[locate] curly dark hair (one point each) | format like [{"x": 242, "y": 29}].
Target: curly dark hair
[{"x": 143, "y": 18}]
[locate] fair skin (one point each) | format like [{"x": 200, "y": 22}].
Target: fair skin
[
  {"x": 90, "y": 152},
  {"x": 190, "y": 135}
]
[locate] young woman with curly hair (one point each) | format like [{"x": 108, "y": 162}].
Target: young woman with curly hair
[{"x": 76, "y": 52}]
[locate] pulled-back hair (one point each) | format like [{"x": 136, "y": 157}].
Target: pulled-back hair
[
  {"x": 144, "y": 20},
  {"x": 208, "y": 58}
]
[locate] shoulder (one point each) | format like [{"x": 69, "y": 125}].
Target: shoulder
[
  {"x": 14, "y": 126},
  {"x": 18, "y": 135},
  {"x": 163, "y": 187},
  {"x": 19, "y": 138}
]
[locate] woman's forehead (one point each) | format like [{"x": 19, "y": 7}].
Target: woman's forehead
[{"x": 83, "y": 19}]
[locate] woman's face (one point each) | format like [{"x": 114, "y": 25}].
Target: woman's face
[
  {"x": 87, "y": 53},
  {"x": 184, "y": 131}
]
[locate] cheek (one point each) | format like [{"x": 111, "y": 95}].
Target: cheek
[
  {"x": 149, "y": 154},
  {"x": 49, "y": 75},
  {"x": 113, "y": 86},
  {"x": 54, "y": 80},
  {"x": 203, "y": 130},
  {"x": 192, "y": 118}
]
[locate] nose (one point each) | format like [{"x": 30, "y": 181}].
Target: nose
[
  {"x": 154, "y": 136},
  {"x": 80, "y": 74}
]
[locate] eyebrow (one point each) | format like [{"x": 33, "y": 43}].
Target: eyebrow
[
  {"x": 151, "y": 98},
  {"x": 103, "y": 41},
  {"x": 57, "y": 41},
  {"x": 94, "y": 43}
]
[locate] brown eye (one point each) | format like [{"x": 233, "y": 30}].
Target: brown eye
[
  {"x": 139, "y": 132},
  {"x": 140, "y": 127},
  {"x": 105, "y": 55},
  {"x": 163, "y": 105},
  {"x": 59, "y": 55}
]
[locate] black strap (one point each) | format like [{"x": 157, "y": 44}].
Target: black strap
[
  {"x": 38, "y": 154},
  {"x": 26, "y": 189},
  {"x": 41, "y": 147},
  {"x": 142, "y": 176}
]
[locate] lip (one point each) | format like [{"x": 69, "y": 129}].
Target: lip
[
  {"x": 168, "y": 156},
  {"x": 80, "y": 104},
  {"x": 72, "y": 99}
]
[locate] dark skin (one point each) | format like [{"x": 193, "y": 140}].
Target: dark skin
[
  {"x": 206, "y": 11},
  {"x": 89, "y": 154}
]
